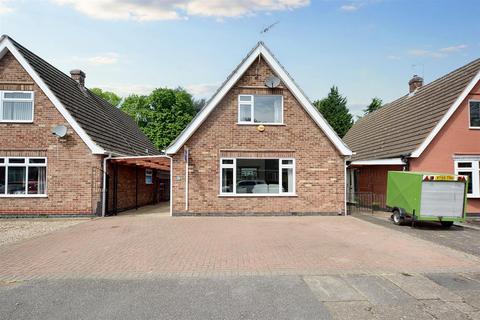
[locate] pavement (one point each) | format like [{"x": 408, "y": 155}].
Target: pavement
[
  {"x": 151, "y": 266},
  {"x": 388, "y": 296}
]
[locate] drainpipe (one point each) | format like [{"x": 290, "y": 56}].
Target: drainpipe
[
  {"x": 405, "y": 158},
  {"x": 347, "y": 158},
  {"x": 104, "y": 186}
]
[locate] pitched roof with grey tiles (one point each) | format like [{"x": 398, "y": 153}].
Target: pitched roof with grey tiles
[
  {"x": 399, "y": 127},
  {"x": 107, "y": 126}
]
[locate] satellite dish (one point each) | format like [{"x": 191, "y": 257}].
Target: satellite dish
[
  {"x": 272, "y": 82},
  {"x": 60, "y": 131}
]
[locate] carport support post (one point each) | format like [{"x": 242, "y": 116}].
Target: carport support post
[
  {"x": 104, "y": 186},
  {"x": 186, "y": 157},
  {"x": 136, "y": 187}
]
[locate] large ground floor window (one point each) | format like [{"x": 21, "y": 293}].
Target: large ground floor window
[
  {"x": 23, "y": 176},
  {"x": 244, "y": 176},
  {"x": 471, "y": 169}
]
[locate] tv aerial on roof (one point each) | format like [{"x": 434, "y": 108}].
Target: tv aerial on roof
[{"x": 60, "y": 131}]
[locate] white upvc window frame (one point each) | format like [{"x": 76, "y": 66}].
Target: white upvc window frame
[
  {"x": 26, "y": 164},
  {"x": 251, "y": 103},
  {"x": 474, "y": 169},
  {"x": 469, "y": 116},
  {"x": 281, "y": 166},
  {"x": 2, "y": 99},
  {"x": 148, "y": 174}
]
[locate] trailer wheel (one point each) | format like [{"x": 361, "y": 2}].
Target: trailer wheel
[
  {"x": 396, "y": 218},
  {"x": 447, "y": 224}
]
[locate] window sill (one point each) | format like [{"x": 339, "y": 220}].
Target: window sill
[
  {"x": 23, "y": 196},
  {"x": 262, "y": 124},
  {"x": 254, "y": 195},
  {"x": 474, "y": 128},
  {"x": 15, "y": 121},
  {"x": 471, "y": 196}
]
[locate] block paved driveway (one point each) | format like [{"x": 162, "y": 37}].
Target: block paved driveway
[
  {"x": 154, "y": 267},
  {"x": 139, "y": 246}
]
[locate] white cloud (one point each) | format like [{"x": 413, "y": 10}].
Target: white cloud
[
  {"x": 202, "y": 90},
  {"x": 454, "y": 48},
  {"x": 4, "y": 7},
  {"x": 394, "y": 57},
  {"x": 109, "y": 58},
  {"x": 152, "y": 10},
  {"x": 439, "y": 53},
  {"x": 349, "y": 7},
  {"x": 126, "y": 90}
]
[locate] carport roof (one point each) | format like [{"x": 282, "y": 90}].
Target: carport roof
[{"x": 159, "y": 162}]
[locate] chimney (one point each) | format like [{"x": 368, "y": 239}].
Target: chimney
[
  {"x": 415, "y": 83},
  {"x": 79, "y": 76}
]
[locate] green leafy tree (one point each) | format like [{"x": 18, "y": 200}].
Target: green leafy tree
[
  {"x": 162, "y": 115},
  {"x": 199, "y": 104},
  {"x": 373, "y": 106},
  {"x": 334, "y": 110},
  {"x": 109, "y": 96}
]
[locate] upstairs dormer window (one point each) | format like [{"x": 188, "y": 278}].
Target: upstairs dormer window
[
  {"x": 475, "y": 114},
  {"x": 16, "y": 106},
  {"x": 260, "y": 109}
]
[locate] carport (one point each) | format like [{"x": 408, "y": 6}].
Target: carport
[{"x": 137, "y": 181}]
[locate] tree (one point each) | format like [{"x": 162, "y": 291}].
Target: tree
[
  {"x": 373, "y": 106},
  {"x": 162, "y": 115},
  {"x": 334, "y": 110},
  {"x": 109, "y": 96},
  {"x": 198, "y": 104}
]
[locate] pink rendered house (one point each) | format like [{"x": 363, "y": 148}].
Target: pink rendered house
[{"x": 434, "y": 128}]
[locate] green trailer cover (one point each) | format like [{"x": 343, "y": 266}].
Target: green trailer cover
[{"x": 405, "y": 190}]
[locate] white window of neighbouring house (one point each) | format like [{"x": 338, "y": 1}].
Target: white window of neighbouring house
[
  {"x": 474, "y": 114},
  {"x": 251, "y": 177},
  {"x": 148, "y": 176},
  {"x": 471, "y": 169},
  {"x": 16, "y": 106},
  {"x": 25, "y": 177},
  {"x": 260, "y": 109}
]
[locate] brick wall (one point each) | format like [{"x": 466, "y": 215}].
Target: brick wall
[
  {"x": 319, "y": 166},
  {"x": 70, "y": 171},
  {"x": 132, "y": 191}
]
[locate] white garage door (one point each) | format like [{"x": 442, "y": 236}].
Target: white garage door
[{"x": 442, "y": 199}]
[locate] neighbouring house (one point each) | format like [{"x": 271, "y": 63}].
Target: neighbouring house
[
  {"x": 433, "y": 128},
  {"x": 258, "y": 147},
  {"x": 56, "y": 138}
]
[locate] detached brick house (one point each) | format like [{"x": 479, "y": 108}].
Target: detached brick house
[
  {"x": 43, "y": 173},
  {"x": 258, "y": 147},
  {"x": 434, "y": 128}
]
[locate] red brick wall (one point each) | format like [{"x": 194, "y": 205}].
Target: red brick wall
[
  {"x": 126, "y": 190},
  {"x": 374, "y": 178},
  {"x": 319, "y": 166},
  {"x": 70, "y": 172}
]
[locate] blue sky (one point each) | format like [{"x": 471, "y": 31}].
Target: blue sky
[{"x": 367, "y": 48}]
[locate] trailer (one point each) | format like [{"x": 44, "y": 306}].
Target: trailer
[{"x": 420, "y": 196}]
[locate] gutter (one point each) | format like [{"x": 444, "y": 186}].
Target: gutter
[{"x": 104, "y": 186}]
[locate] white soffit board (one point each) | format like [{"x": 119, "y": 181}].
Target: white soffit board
[
  {"x": 286, "y": 79},
  {"x": 5, "y": 45},
  {"x": 378, "y": 162}
]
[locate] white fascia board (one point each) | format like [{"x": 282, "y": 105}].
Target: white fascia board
[
  {"x": 278, "y": 69},
  {"x": 378, "y": 162},
  {"x": 446, "y": 117},
  {"x": 6, "y": 44}
]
